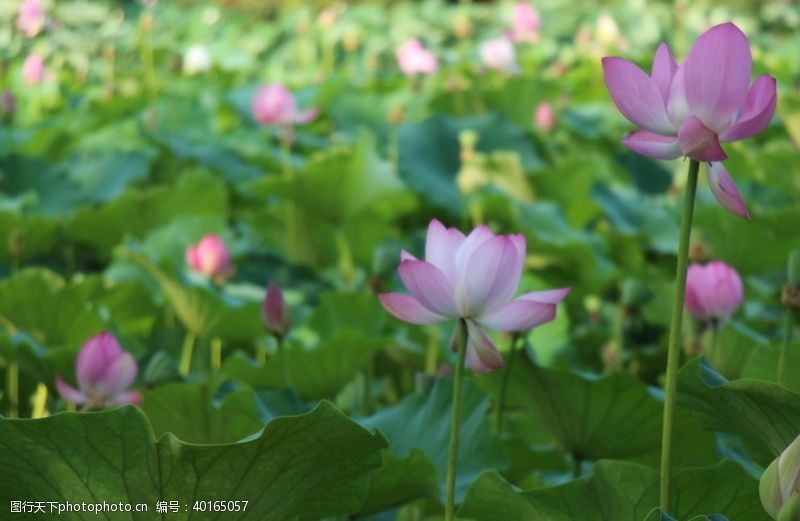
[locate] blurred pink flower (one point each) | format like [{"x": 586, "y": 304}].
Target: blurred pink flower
[
  {"x": 104, "y": 373},
  {"x": 498, "y": 54},
  {"x": 33, "y": 69},
  {"x": 274, "y": 104},
  {"x": 413, "y": 59},
  {"x": 713, "y": 291},
  {"x": 688, "y": 110},
  {"x": 275, "y": 312},
  {"x": 30, "y": 19},
  {"x": 474, "y": 278},
  {"x": 210, "y": 257},
  {"x": 544, "y": 116},
  {"x": 525, "y": 23}
]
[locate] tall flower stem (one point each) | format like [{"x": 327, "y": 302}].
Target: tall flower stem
[
  {"x": 674, "y": 351},
  {"x": 501, "y": 397},
  {"x": 186, "y": 354},
  {"x": 216, "y": 353},
  {"x": 12, "y": 389},
  {"x": 455, "y": 421},
  {"x": 284, "y": 365},
  {"x": 788, "y": 327}
]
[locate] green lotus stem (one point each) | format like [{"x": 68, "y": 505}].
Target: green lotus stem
[
  {"x": 186, "y": 354},
  {"x": 346, "y": 265},
  {"x": 284, "y": 364},
  {"x": 712, "y": 349},
  {"x": 261, "y": 351},
  {"x": 12, "y": 389},
  {"x": 455, "y": 421},
  {"x": 39, "y": 401},
  {"x": 674, "y": 351},
  {"x": 288, "y": 175},
  {"x": 788, "y": 327},
  {"x": 432, "y": 352},
  {"x": 501, "y": 397},
  {"x": 216, "y": 354}
]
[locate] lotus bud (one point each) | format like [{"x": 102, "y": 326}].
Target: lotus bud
[
  {"x": 713, "y": 291},
  {"x": 210, "y": 257},
  {"x": 275, "y": 311}
]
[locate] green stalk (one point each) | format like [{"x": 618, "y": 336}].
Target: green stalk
[
  {"x": 216, "y": 354},
  {"x": 674, "y": 351},
  {"x": 284, "y": 365},
  {"x": 788, "y": 327},
  {"x": 288, "y": 175},
  {"x": 501, "y": 398},
  {"x": 39, "y": 401},
  {"x": 12, "y": 389},
  {"x": 186, "y": 354},
  {"x": 455, "y": 422}
]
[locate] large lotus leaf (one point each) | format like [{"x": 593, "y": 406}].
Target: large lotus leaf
[
  {"x": 307, "y": 467},
  {"x": 401, "y": 480},
  {"x": 43, "y": 187},
  {"x": 24, "y": 237},
  {"x": 618, "y": 491},
  {"x": 103, "y": 176}
]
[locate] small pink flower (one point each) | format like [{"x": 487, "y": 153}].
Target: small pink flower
[
  {"x": 498, "y": 54},
  {"x": 544, "y": 116},
  {"x": 30, "y": 19},
  {"x": 413, "y": 59},
  {"x": 33, "y": 69},
  {"x": 713, "y": 291},
  {"x": 474, "y": 278},
  {"x": 104, "y": 373},
  {"x": 275, "y": 105},
  {"x": 689, "y": 109},
  {"x": 525, "y": 23},
  {"x": 210, "y": 257},
  {"x": 275, "y": 311}
]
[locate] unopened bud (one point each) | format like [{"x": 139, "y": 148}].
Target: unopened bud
[{"x": 275, "y": 312}]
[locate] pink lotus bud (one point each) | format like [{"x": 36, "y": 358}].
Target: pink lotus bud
[
  {"x": 413, "y": 59},
  {"x": 525, "y": 22},
  {"x": 33, "y": 70},
  {"x": 544, "y": 116},
  {"x": 472, "y": 277},
  {"x": 104, "y": 373},
  {"x": 30, "y": 19},
  {"x": 275, "y": 105},
  {"x": 210, "y": 257},
  {"x": 275, "y": 311},
  {"x": 691, "y": 108},
  {"x": 713, "y": 291},
  {"x": 498, "y": 54}
]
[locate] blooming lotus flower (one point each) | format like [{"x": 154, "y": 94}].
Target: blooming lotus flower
[
  {"x": 544, "y": 116},
  {"x": 525, "y": 22},
  {"x": 275, "y": 312},
  {"x": 713, "y": 291},
  {"x": 689, "y": 109},
  {"x": 275, "y": 105},
  {"x": 210, "y": 257},
  {"x": 779, "y": 488},
  {"x": 498, "y": 54},
  {"x": 196, "y": 59},
  {"x": 30, "y": 18},
  {"x": 33, "y": 69},
  {"x": 474, "y": 278},
  {"x": 413, "y": 59},
  {"x": 104, "y": 373}
]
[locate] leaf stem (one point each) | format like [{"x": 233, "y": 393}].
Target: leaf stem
[
  {"x": 216, "y": 353},
  {"x": 788, "y": 327},
  {"x": 39, "y": 402},
  {"x": 12, "y": 389},
  {"x": 673, "y": 353},
  {"x": 501, "y": 397},
  {"x": 284, "y": 364},
  {"x": 186, "y": 354},
  {"x": 455, "y": 421}
]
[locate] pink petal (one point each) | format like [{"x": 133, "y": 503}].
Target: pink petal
[
  {"x": 94, "y": 358},
  {"x": 717, "y": 77},
  {"x": 408, "y": 309},
  {"x": 441, "y": 245},
  {"x": 306, "y": 116},
  {"x": 69, "y": 393},
  {"x": 653, "y": 145},
  {"x": 725, "y": 190},
  {"x": 471, "y": 243},
  {"x": 518, "y": 315},
  {"x": 120, "y": 374},
  {"x": 491, "y": 276},
  {"x": 430, "y": 287},
  {"x": 695, "y": 305},
  {"x": 404, "y": 255},
  {"x": 482, "y": 355},
  {"x": 550, "y": 296},
  {"x": 636, "y": 95},
  {"x": 700, "y": 142},
  {"x": 759, "y": 107},
  {"x": 664, "y": 69},
  {"x": 127, "y": 398},
  {"x": 677, "y": 105}
]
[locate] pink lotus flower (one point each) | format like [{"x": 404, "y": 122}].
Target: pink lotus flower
[
  {"x": 713, "y": 291},
  {"x": 498, "y": 54},
  {"x": 275, "y": 105},
  {"x": 30, "y": 19},
  {"x": 104, "y": 373},
  {"x": 413, "y": 59},
  {"x": 210, "y": 257},
  {"x": 544, "y": 116},
  {"x": 474, "y": 278},
  {"x": 525, "y": 22},
  {"x": 275, "y": 312},
  {"x": 688, "y": 109},
  {"x": 33, "y": 69}
]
